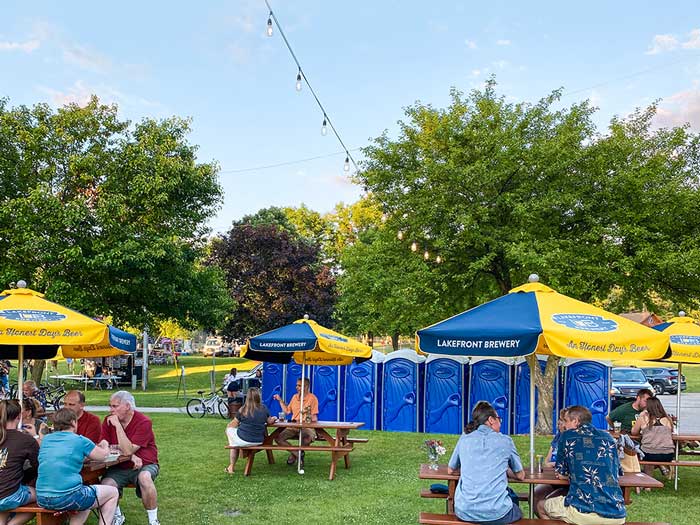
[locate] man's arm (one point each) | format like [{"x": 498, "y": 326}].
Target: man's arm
[
  {"x": 125, "y": 444},
  {"x": 283, "y": 405}
]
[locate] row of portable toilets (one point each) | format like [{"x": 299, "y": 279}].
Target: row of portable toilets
[{"x": 405, "y": 392}]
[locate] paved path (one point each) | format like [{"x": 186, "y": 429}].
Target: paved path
[{"x": 162, "y": 410}]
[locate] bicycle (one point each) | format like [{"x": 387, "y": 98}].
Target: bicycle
[
  {"x": 54, "y": 395},
  {"x": 212, "y": 404}
]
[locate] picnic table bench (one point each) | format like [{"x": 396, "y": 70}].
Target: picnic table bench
[
  {"x": 451, "y": 519},
  {"x": 339, "y": 446}
]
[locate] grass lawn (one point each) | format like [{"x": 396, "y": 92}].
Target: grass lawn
[{"x": 381, "y": 487}]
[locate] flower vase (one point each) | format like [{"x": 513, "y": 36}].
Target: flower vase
[{"x": 433, "y": 460}]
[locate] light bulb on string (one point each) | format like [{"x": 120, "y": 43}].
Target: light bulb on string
[
  {"x": 298, "y": 84},
  {"x": 414, "y": 246},
  {"x": 346, "y": 166},
  {"x": 324, "y": 126},
  {"x": 400, "y": 235},
  {"x": 269, "y": 25},
  {"x": 426, "y": 255},
  {"x": 438, "y": 259}
]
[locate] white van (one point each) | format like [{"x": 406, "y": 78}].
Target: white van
[{"x": 213, "y": 346}]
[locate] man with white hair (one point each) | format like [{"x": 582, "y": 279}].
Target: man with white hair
[{"x": 133, "y": 432}]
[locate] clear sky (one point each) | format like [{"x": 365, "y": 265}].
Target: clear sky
[{"x": 366, "y": 59}]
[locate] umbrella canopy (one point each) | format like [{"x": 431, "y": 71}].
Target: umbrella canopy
[
  {"x": 116, "y": 342},
  {"x": 684, "y": 336},
  {"x": 305, "y": 341},
  {"x": 535, "y": 318}
]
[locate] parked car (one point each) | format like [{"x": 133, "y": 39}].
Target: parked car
[
  {"x": 213, "y": 346},
  {"x": 626, "y": 382},
  {"x": 664, "y": 380}
]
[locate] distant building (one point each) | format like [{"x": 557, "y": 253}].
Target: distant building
[{"x": 645, "y": 318}]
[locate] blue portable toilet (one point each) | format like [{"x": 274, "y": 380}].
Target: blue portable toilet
[
  {"x": 445, "y": 389},
  {"x": 293, "y": 374},
  {"x": 587, "y": 383},
  {"x": 521, "y": 400},
  {"x": 326, "y": 388},
  {"x": 401, "y": 399},
  {"x": 273, "y": 383},
  {"x": 360, "y": 392},
  {"x": 490, "y": 379}
]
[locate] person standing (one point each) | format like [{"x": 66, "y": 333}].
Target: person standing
[
  {"x": 589, "y": 458},
  {"x": 306, "y": 414},
  {"x": 133, "y": 432},
  {"x": 89, "y": 425},
  {"x": 627, "y": 414},
  {"x": 482, "y": 494}
]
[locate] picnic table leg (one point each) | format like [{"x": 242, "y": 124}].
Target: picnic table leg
[
  {"x": 627, "y": 492},
  {"x": 334, "y": 458},
  {"x": 451, "y": 489},
  {"x": 249, "y": 463},
  {"x": 531, "y": 496}
]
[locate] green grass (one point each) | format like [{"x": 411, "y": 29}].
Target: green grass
[{"x": 382, "y": 485}]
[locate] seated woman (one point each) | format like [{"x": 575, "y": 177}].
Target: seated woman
[
  {"x": 656, "y": 428},
  {"x": 31, "y": 424},
  {"x": 17, "y": 448},
  {"x": 249, "y": 427},
  {"x": 59, "y": 485}
]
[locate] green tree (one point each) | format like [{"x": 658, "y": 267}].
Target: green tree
[
  {"x": 108, "y": 217},
  {"x": 500, "y": 190}
]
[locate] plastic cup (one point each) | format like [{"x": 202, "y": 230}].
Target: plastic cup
[
  {"x": 282, "y": 416},
  {"x": 617, "y": 426},
  {"x": 114, "y": 450}
]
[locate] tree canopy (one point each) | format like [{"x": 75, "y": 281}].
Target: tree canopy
[{"x": 107, "y": 216}]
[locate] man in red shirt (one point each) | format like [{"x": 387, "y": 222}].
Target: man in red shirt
[
  {"x": 89, "y": 425},
  {"x": 133, "y": 432}
]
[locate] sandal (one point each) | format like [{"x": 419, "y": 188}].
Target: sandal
[
  {"x": 291, "y": 459},
  {"x": 229, "y": 470}
]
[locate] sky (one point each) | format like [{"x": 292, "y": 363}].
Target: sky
[{"x": 367, "y": 61}]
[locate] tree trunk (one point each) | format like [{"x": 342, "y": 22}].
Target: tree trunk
[
  {"x": 370, "y": 339},
  {"x": 544, "y": 383},
  {"x": 37, "y": 370},
  {"x": 395, "y": 341}
]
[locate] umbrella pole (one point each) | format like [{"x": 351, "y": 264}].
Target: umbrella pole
[
  {"x": 20, "y": 377},
  {"x": 301, "y": 413},
  {"x": 532, "y": 436},
  {"x": 678, "y": 419}
]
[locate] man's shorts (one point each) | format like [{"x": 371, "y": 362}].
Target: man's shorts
[
  {"x": 293, "y": 433},
  {"x": 555, "y": 509},
  {"x": 129, "y": 476},
  {"x": 20, "y": 497},
  {"x": 82, "y": 498}
]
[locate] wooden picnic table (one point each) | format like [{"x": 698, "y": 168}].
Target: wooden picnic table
[
  {"x": 627, "y": 481},
  {"x": 338, "y": 445},
  {"x": 93, "y": 469}
]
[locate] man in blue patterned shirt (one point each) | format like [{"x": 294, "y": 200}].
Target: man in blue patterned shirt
[{"x": 588, "y": 457}]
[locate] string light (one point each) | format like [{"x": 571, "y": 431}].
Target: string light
[
  {"x": 269, "y": 24},
  {"x": 302, "y": 77},
  {"x": 426, "y": 255},
  {"x": 414, "y": 246},
  {"x": 438, "y": 259},
  {"x": 400, "y": 235}
]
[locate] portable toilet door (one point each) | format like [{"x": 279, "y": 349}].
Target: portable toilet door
[
  {"x": 292, "y": 376},
  {"x": 490, "y": 380},
  {"x": 360, "y": 391},
  {"x": 521, "y": 401},
  {"x": 587, "y": 383},
  {"x": 445, "y": 389},
  {"x": 326, "y": 388},
  {"x": 273, "y": 384},
  {"x": 401, "y": 391}
]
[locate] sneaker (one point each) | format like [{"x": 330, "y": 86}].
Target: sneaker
[
  {"x": 154, "y": 522},
  {"x": 119, "y": 519}
]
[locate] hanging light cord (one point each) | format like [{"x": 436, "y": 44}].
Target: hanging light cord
[{"x": 311, "y": 89}]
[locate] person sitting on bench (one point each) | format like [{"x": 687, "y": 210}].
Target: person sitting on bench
[
  {"x": 483, "y": 457},
  {"x": 656, "y": 428},
  {"x": 588, "y": 457},
  {"x": 310, "y": 413}
]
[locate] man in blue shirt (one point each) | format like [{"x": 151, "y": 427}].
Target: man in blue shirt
[
  {"x": 588, "y": 457},
  {"x": 483, "y": 457}
]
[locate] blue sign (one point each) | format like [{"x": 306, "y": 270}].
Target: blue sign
[
  {"x": 692, "y": 340},
  {"x": 32, "y": 316},
  {"x": 585, "y": 322}
]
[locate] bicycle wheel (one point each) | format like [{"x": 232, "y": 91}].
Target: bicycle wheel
[
  {"x": 223, "y": 408},
  {"x": 196, "y": 408},
  {"x": 57, "y": 402}
]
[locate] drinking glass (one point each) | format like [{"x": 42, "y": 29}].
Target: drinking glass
[
  {"x": 617, "y": 426},
  {"x": 114, "y": 450},
  {"x": 281, "y": 416}
]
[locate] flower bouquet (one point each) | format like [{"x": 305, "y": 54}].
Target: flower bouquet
[{"x": 435, "y": 449}]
